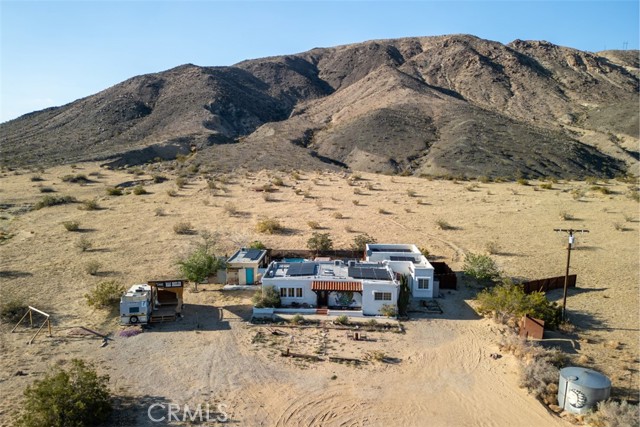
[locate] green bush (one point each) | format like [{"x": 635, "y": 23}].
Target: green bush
[
  {"x": 343, "y": 319},
  {"x": 71, "y": 225},
  {"x": 257, "y": 244},
  {"x": 89, "y": 205},
  {"x": 139, "y": 190},
  {"x": 508, "y": 301},
  {"x": 114, "y": 191},
  {"x": 77, "y": 397},
  {"x": 80, "y": 178},
  {"x": 298, "y": 319},
  {"x": 268, "y": 296},
  {"x": 269, "y": 226},
  {"x": 105, "y": 294},
  {"x": 320, "y": 242},
  {"x": 389, "y": 310},
  {"x": 199, "y": 265},
  {"x": 361, "y": 241},
  {"x": 12, "y": 310},
  {"x": 481, "y": 267},
  {"x": 47, "y": 201}
]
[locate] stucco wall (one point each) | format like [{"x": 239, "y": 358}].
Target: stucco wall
[{"x": 372, "y": 307}]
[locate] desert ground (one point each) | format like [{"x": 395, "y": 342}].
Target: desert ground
[{"x": 443, "y": 374}]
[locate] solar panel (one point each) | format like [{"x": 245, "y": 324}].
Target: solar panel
[
  {"x": 253, "y": 254},
  {"x": 402, "y": 258},
  {"x": 397, "y": 250},
  {"x": 369, "y": 273},
  {"x": 302, "y": 269}
]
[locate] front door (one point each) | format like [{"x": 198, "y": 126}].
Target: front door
[
  {"x": 250, "y": 276},
  {"x": 323, "y": 298}
]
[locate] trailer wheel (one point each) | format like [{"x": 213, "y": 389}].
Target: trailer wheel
[{"x": 133, "y": 319}]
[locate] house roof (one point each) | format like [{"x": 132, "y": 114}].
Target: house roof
[
  {"x": 325, "y": 285},
  {"x": 245, "y": 255}
]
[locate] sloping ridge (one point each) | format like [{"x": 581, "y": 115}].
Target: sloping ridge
[{"x": 434, "y": 105}]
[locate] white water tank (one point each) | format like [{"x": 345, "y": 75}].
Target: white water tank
[{"x": 580, "y": 389}]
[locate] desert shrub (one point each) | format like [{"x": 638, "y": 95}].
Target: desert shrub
[
  {"x": 348, "y": 229},
  {"x": 424, "y": 251},
  {"x": 382, "y": 211},
  {"x": 614, "y": 414},
  {"x": 343, "y": 319},
  {"x": 484, "y": 179},
  {"x": 199, "y": 265},
  {"x": 618, "y": 226},
  {"x": 105, "y": 294},
  {"x": 314, "y": 225},
  {"x": 546, "y": 186},
  {"x": 508, "y": 301},
  {"x": 181, "y": 182},
  {"x": 230, "y": 209},
  {"x": 79, "y": 178},
  {"x": 492, "y": 247},
  {"x": 634, "y": 195},
  {"x": 443, "y": 224},
  {"x": 113, "y": 191},
  {"x": 481, "y": 267},
  {"x": 183, "y": 228},
  {"x": 139, "y": 190},
  {"x": 361, "y": 241},
  {"x": 338, "y": 215},
  {"x": 84, "y": 244},
  {"x": 71, "y": 225},
  {"x": 267, "y": 197},
  {"x": 36, "y": 178},
  {"x": 355, "y": 202},
  {"x": 357, "y": 191},
  {"x": 600, "y": 189},
  {"x": 47, "y": 201},
  {"x": 77, "y": 397},
  {"x": 157, "y": 179},
  {"x": 159, "y": 212},
  {"x": 277, "y": 181},
  {"x": 267, "y": 297},
  {"x": 591, "y": 180},
  {"x": 269, "y": 226},
  {"x": 411, "y": 193},
  {"x": 256, "y": 244},
  {"x": 389, "y": 310},
  {"x": 298, "y": 319},
  {"x": 89, "y": 205},
  {"x": 12, "y": 310},
  {"x": 522, "y": 181},
  {"x": 320, "y": 242},
  {"x": 565, "y": 216},
  {"x": 295, "y": 176},
  {"x": 92, "y": 267},
  {"x": 172, "y": 192},
  {"x": 376, "y": 355},
  {"x": 566, "y": 327},
  {"x": 46, "y": 190}
]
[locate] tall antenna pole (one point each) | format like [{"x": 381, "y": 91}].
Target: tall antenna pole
[{"x": 569, "y": 232}]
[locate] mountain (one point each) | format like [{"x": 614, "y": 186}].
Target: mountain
[{"x": 440, "y": 105}]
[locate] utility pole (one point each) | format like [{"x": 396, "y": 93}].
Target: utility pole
[{"x": 569, "y": 232}]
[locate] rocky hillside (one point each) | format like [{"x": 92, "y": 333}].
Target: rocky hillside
[{"x": 434, "y": 105}]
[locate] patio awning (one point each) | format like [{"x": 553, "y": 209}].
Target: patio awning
[{"x": 326, "y": 285}]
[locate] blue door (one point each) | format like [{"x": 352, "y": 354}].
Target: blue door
[{"x": 249, "y": 276}]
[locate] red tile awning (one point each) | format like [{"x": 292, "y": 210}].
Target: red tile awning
[{"x": 326, "y": 285}]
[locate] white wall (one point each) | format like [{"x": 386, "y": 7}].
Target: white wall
[
  {"x": 433, "y": 290},
  {"x": 308, "y": 296},
  {"x": 356, "y": 300},
  {"x": 369, "y": 305}
]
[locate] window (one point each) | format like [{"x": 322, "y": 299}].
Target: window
[
  {"x": 283, "y": 292},
  {"x": 423, "y": 284},
  {"x": 134, "y": 309},
  {"x": 382, "y": 296},
  {"x": 298, "y": 292},
  {"x": 291, "y": 291}
]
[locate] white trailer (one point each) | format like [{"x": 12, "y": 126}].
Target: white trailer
[{"x": 136, "y": 305}]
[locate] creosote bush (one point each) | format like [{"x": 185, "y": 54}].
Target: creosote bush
[
  {"x": 269, "y": 226},
  {"x": 320, "y": 242},
  {"x": 139, "y": 190},
  {"x": 481, "y": 267},
  {"x": 47, "y": 201},
  {"x": 267, "y": 297},
  {"x": 360, "y": 242},
  {"x": 106, "y": 294},
  {"x": 76, "y": 397},
  {"x": 84, "y": 244},
  {"x": 389, "y": 310},
  {"x": 183, "y": 228},
  {"x": 113, "y": 191},
  {"x": 92, "y": 267},
  {"x": 443, "y": 224},
  {"x": 314, "y": 225},
  {"x": 343, "y": 319},
  {"x": 89, "y": 205},
  {"x": 298, "y": 319},
  {"x": 71, "y": 225}
]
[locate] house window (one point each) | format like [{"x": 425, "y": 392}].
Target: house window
[
  {"x": 298, "y": 292},
  {"x": 291, "y": 291},
  {"x": 382, "y": 296},
  {"x": 283, "y": 292},
  {"x": 423, "y": 284}
]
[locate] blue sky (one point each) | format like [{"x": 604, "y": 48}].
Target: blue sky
[{"x": 53, "y": 52}]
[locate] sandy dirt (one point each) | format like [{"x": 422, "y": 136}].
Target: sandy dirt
[{"x": 444, "y": 376}]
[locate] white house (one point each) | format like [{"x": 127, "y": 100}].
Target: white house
[
  {"x": 408, "y": 260},
  {"x": 243, "y": 266},
  {"x": 360, "y": 287}
]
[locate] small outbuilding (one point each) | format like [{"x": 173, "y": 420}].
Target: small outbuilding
[{"x": 244, "y": 266}]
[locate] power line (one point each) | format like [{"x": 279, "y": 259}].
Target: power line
[{"x": 570, "y": 243}]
